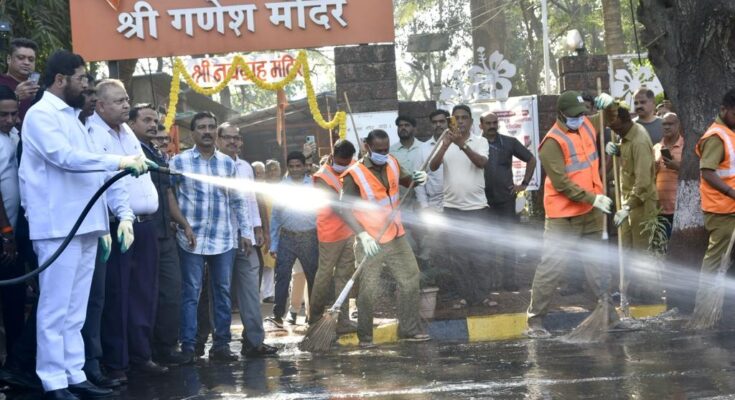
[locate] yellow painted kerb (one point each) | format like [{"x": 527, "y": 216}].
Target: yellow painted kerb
[{"x": 496, "y": 327}]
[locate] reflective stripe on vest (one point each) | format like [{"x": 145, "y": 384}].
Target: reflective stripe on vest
[
  {"x": 329, "y": 177},
  {"x": 369, "y": 190},
  {"x": 576, "y": 165},
  {"x": 726, "y": 172}
]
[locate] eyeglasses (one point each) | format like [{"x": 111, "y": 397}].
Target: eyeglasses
[
  {"x": 80, "y": 78},
  {"x": 228, "y": 137}
]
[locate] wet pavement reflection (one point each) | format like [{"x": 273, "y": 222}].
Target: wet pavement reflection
[{"x": 637, "y": 365}]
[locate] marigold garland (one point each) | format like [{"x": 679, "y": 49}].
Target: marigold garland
[{"x": 302, "y": 64}]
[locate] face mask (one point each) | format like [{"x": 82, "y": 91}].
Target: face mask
[
  {"x": 339, "y": 168},
  {"x": 378, "y": 159},
  {"x": 574, "y": 123}
]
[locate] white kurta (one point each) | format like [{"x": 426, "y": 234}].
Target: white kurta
[
  {"x": 9, "y": 174},
  {"x": 57, "y": 179}
]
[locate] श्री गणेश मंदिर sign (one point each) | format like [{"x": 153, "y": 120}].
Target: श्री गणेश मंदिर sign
[{"x": 128, "y": 29}]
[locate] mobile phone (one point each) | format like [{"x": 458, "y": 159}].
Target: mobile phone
[
  {"x": 310, "y": 139},
  {"x": 34, "y": 77},
  {"x": 666, "y": 153}
]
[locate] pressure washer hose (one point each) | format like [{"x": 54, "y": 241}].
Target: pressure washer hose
[{"x": 75, "y": 228}]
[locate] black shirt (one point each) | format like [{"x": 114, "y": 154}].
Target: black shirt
[
  {"x": 499, "y": 168},
  {"x": 162, "y": 183}
]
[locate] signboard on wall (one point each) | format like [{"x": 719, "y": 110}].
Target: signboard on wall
[
  {"x": 270, "y": 67},
  {"x": 366, "y": 122},
  {"x": 517, "y": 117},
  {"x": 128, "y": 29}
]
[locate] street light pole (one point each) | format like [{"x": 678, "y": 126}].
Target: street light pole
[{"x": 545, "y": 28}]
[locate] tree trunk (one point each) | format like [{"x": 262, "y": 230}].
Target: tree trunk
[
  {"x": 488, "y": 25},
  {"x": 614, "y": 40},
  {"x": 695, "y": 62}
]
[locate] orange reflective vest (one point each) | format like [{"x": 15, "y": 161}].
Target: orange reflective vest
[
  {"x": 374, "y": 219},
  {"x": 582, "y": 167},
  {"x": 713, "y": 200},
  {"x": 329, "y": 226}
]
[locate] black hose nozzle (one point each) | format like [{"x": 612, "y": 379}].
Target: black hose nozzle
[{"x": 164, "y": 170}]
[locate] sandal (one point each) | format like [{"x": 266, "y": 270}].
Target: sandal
[
  {"x": 490, "y": 303},
  {"x": 459, "y": 304}
]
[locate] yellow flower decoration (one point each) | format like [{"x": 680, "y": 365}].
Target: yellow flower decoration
[{"x": 302, "y": 64}]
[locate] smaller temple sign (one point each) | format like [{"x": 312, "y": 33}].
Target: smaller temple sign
[
  {"x": 269, "y": 67},
  {"x": 126, "y": 29}
]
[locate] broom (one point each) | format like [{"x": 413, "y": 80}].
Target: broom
[
  {"x": 320, "y": 336},
  {"x": 708, "y": 307}
]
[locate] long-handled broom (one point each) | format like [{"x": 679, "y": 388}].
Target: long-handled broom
[
  {"x": 708, "y": 307},
  {"x": 320, "y": 336}
]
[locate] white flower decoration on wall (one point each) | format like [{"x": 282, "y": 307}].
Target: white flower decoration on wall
[
  {"x": 632, "y": 78},
  {"x": 489, "y": 80}
]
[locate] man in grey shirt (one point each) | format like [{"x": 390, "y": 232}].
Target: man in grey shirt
[{"x": 645, "y": 106}]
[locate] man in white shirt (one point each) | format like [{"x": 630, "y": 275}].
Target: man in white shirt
[
  {"x": 59, "y": 172},
  {"x": 430, "y": 196},
  {"x": 246, "y": 272},
  {"x": 13, "y": 297},
  {"x": 131, "y": 283},
  {"x": 463, "y": 157}
]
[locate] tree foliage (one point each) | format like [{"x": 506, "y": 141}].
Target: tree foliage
[{"x": 45, "y": 21}]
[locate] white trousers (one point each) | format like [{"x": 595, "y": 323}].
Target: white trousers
[{"x": 62, "y": 308}]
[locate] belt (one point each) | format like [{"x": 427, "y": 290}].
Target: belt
[
  {"x": 138, "y": 218},
  {"x": 298, "y": 233}
]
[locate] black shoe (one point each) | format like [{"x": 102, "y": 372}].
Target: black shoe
[
  {"x": 172, "y": 358},
  {"x": 189, "y": 357},
  {"x": 263, "y": 350},
  {"x": 20, "y": 379},
  {"x": 86, "y": 390},
  {"x": 61, "y": 394},
  {"x": 149, "y": 368},
  {"x": 199, "y": 349},
  {"x": 269, "y": 300},
  {"x": 292, "y": 318},
  {"x": 223, "y": 355},
  {"x": 510, "y": 287},
  {"x": 99, "y": 380},
  {"x": 278, "y": 322}
]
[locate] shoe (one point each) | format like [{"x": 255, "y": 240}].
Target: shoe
[
  {"x": 292, "y": 318},
  {"x": 366, "y": 345},
  {"x": 345, "y": 327},
  {"x": 172, "y": 358},
  {"x": 61, "y": 394},
  {"x": 87, "y": 390},
  {"x": 20, "y": 379},
  {"x": 537, "y": 333},
  {"x": 118, "y": 375},
  {"x": 263, "y": 350},
  {"x": 149, "y": 368},
  {"x": 223, "y": 355},
  {"x": 419, "y": 337},
  {"x": 278, "y": 322},
  {"x": 99, "y": 380},
  {"x": 269, "y": 300},
  {"x": 510, "y": 287},
  {"x": 199, "y": 349},
  {"x": 189, "y": 357}
]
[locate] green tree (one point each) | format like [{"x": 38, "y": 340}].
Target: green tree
[{"x": 45, "y": 21}]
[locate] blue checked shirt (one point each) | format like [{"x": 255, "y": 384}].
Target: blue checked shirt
[{"x": 208, "y": 207}]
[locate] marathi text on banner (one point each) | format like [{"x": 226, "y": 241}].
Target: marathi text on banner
[{"x": 270, "y": 67}]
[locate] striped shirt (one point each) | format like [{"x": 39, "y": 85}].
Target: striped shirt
[{"x": 208, "y": 207}]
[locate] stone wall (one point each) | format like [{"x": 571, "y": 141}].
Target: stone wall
[
  {"x": 581, "y": 73},
  {"x": 367, "y": 73},
  {"x": 419, "y": 110}
]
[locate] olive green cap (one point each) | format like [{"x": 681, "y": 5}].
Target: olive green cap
[{"x": 571, "y": 104}]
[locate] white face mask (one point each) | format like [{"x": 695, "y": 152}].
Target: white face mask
[
  {"x": 339, "y": 168},
  {"x": 378, "y": 159},
  {"x": 574, "y": 123}
]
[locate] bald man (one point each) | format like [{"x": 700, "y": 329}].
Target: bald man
[{"x": 668, "y": 159}]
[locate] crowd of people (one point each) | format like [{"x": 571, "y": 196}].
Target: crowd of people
[{"x": 157, "y": 264}]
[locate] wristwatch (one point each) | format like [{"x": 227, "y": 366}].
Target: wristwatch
[{"x": 465, "y": 146}]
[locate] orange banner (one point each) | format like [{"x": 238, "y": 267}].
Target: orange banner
[{"x": 128, "y": 29}]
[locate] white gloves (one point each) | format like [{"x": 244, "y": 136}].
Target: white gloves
[
  {"x": 371, "y": 247},
  {"x": 125, "y": 235},
  {"x": 419, "y": 177},
  {"x": 603, "y": 101},
  {"x": 621, "y": 215},
  {"x": 603, "y": 203},
  {"x": 105, "y": 243},
  {"x": 135, "y": 164},
  {"x": 612, "y": 149}
]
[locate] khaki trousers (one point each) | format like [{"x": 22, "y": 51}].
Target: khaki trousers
[
  {"x": 559, "y": 235},
  {"x": 401, "y": 263},
  {"x": 336, "y": 265},
  {"x": 642, "y": 282},
  {"x": 719, "y": 227}
]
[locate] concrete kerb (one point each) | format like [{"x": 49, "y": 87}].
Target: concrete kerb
[{"x": 491, "y": 327}]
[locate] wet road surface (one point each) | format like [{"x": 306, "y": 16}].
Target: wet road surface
[{"x": 636, "y": 365}]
